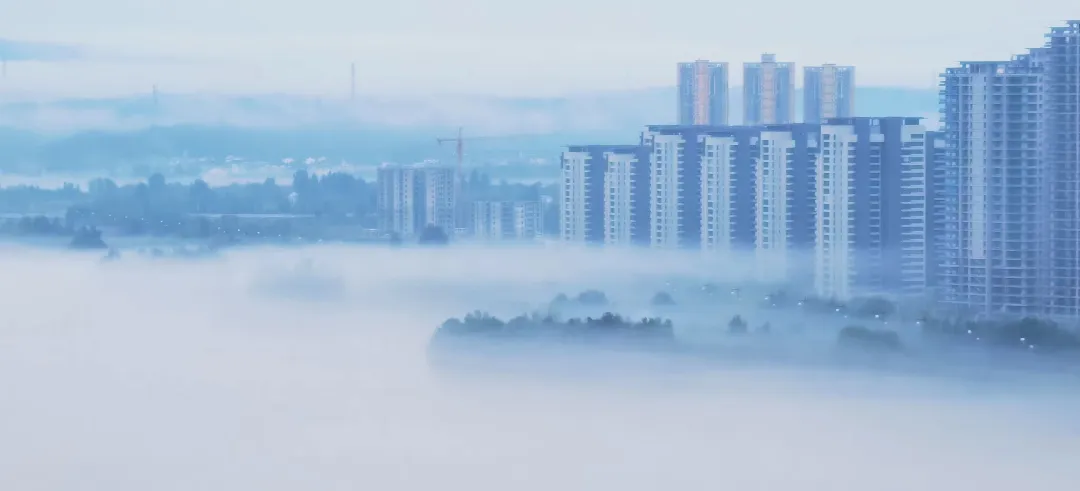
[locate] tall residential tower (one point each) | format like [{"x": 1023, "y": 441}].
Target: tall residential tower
[
  {"x": 768, "y": 92},
  {"x": 828, "y": 92},
  {"x": 871, "y": 207},
  {"x": 604, "y": 194},
  {"x": 1011, "y": 132},
  {"x": 414, "y": 196},
  {"x": 784, "y": 200},
  {"x": 703, "y": 93}
]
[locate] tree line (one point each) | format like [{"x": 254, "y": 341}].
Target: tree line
[{"x": 161, "y": 208}]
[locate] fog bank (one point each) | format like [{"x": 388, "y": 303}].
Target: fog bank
[{"x": 168, "y": 375}]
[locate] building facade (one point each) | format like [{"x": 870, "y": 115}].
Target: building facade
[
  {"x": 1061, "y": 126},
  {"x": 996, "y": 262},
  {"x": 582, "y": 190},
  {"x": 728, "y": 158},
  {"x": 675, "y": 191},
  {"x": 870, "y": 230},
  {"x": 828, "y": 92},
  {"x": 1011, "y": 130},
  {"x": 703, "y": 93},
  {"x": 768, "y": 92},
  {"x": 626, "y": 196},
  {"x": 942, "y": 192},
  {"x": 785, "y": 210},
  {"x": 508, "y": 220},
  {"x": 411, "y": 197}
]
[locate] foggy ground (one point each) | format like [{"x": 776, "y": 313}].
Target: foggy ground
[{"x": 158, "y": 375}]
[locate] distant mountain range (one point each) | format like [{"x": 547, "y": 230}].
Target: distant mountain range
[{"x": 88, "y": 133}]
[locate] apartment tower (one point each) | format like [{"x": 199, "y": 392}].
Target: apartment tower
[
  {"x": 870, "y": 231},
  {"x": 768, "y": 92},
  {"x": 785, "y": 182},
  {"x": 828, "y": 92},
  {"x": 412, "y": 197},
  {"x": 703, "y": 93},
  {"x": 995, "y": 261}
]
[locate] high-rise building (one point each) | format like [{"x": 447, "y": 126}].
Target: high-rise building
[
  {"x": 1061, "y": 129},
  {"x": 942, "y": 190},
  {"x": 675, "y": 191},
  {"x": 413, "y": 197},
  {"x": 784, "y": 200},
  {"x": 870, "y": 207},
  {"x": 582, "y": 191},
  {"x": 1011, "y": 130},
  {"x": 508, "y": 220},
  {"x": 702, "y": 186},
  {"x": 768, "y": 92},
  {"x": 626, "y": 196},
  {"x": 703, "y": 93},
  {"x": 828, "y": 92},
  {"x": 995, "y": 261},
  {"x": 728, "y": 159}
]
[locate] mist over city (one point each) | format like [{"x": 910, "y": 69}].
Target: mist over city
[
  {"x": 267, "y": 246},
  {"x": 175, "y": 374}
]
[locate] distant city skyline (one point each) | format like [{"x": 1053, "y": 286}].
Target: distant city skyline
[{"x": 484, "y": 46}]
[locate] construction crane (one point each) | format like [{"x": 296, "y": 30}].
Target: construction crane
[{"x": 459, "y": 141}]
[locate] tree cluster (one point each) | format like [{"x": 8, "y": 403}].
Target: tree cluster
[
  {"x": 481, "y": 323},
  {"x": 662, "y": 299},
  {"x": 869, "y": 339},
  {"x": 157, "y": 207},
  {"x": 588, "y": 298},
  {"x": 861, "y": 308},
  {"x": 1028, "y": 333}
]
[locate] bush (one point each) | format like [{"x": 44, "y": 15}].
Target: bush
[
  {"x": 737, "y": 325},
  {"x": 663, "y": 299},
  {"x": 433, "y": 235},
  {"x": 861, "y": 337},
  {"x": 88, "y": 238},
  {"x": 592, "y": 297},
  {"x": 483, "y": 323}
]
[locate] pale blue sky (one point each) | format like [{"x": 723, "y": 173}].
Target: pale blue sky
[{"x": 497, "y": 46}]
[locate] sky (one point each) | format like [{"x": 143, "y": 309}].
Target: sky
[
  {"x": 211, "y": 375},
  {"x": 493, "y": 46}
]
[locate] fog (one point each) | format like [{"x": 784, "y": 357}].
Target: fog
[{"x": 179, "y": 375}]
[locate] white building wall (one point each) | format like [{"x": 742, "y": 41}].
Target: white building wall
[
  {"x": 572, "y": 209},
  {"x": 505, "y": 220},
  {"x": 396, "y": 203},
  {"x": 665, "y": 163},
  {"x": 717, "y": 163},
  {"x": 976, "y": 163},
  {"x": 618, "y": 207},
  {"x": 440, "y": 201},
  {"x": 828, "y": 92},
  {"x": 834, "y": 255},
  {"x": 914, "y": 211},
  {"x": 771, "y": 204}
]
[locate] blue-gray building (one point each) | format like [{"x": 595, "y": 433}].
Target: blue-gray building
[
  {"x": 702, "y": 186},
  {"x": 784, "y": 197},
  {"x": 1011, "y": 129},
  {"x": 703, "y": 93},
  {"x": 871, "y": 207},
  {"x": 768, "y": 92},
  {"x": 828, "y": 92},
  {"x": 942, "y": 192},
  {"x": 604, "y": 194}
]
